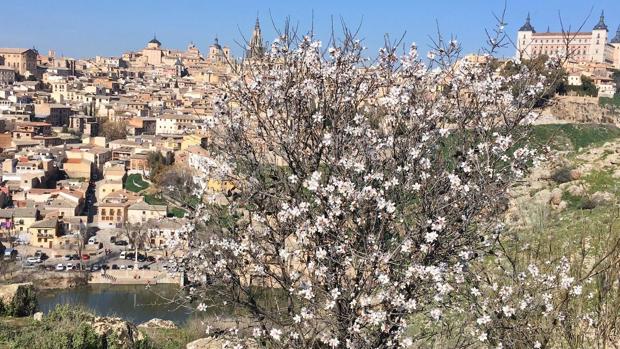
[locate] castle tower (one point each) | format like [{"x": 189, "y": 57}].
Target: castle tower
[
  {"x": 599, "y": 40},
  {"x": 615, "y": 42},
  {"x": 524, "y": 39},
  {"x": 255, "y": 48}
]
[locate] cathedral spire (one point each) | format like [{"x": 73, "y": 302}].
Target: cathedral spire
[{"x": 255, "y": 47}]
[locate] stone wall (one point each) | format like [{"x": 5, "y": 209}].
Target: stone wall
[{"x": 580, "y": 110}]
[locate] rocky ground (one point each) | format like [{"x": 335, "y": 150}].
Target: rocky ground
[{"x": 566, "y": 180}]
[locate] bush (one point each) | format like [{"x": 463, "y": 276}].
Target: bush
[
  {"x": 67, "y": 327},
  {"x": 562, "y": 175},
  {"x": 615, "y": 101},
  {"x": 24, "y": 303}
]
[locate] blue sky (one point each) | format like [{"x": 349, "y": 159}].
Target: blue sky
[{"x": 82, "y": 28}]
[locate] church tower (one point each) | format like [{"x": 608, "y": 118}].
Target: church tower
[{"x": 255, "y": 48}]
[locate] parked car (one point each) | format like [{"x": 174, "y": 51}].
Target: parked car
[
  {"x": 69, "y": 266},
  {"x": 68, "y": 257},
  {"x": 95, "y": 267},
  {"x": 93, "y": 240},
  {"x": 123, "y": 267},
  {"x": 121, "y": 243},
  {"x": 141, "y": 258},
  {"x": 112, "y": 239},
  {"x": 123, "y": 255},
  {"x": 60, "y": 267},
  {"x": 85, "y": 257},
  {"x": 105, "y": 267},
  {"x": 33, "y": 259},
  {"x": 114, "y": 267},
  {"x": 39, "y": 254},
  {"x": 151, "y": 259},
  {"x": 10, "y": 253},
  {"x": 130, "y": 267},
  {"x": 75, "y": 256}
]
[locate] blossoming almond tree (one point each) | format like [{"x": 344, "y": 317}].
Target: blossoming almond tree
[{"x": 364, "y": 189}]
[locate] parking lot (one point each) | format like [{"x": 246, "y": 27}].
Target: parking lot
[{"x": 106, "y": 250}]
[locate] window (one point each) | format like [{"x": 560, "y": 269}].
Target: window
[{"x": 103, "y": 212}]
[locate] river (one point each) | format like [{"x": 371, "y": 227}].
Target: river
[{"x": 134, "y": 303}]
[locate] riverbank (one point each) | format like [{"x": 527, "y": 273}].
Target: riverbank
[
  {"x": 43, "y": 280},
  {"x": 47, "y": 280},
  {"x": 138, "y": 277},
  {"x": 71, "y": 327}
]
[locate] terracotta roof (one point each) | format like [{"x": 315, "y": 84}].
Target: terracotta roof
[
  {"x": 13, "y": 50},
  {"x": 567, "y": 35},
  {"x": 32, "y": 123},
  {"x": 46, "y": 223}
]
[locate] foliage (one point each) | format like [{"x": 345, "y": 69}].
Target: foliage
[
  {"x": 63, "y": 327},
  {"x": 67, "y": 327},
  {"x": 587, "y": 87},
  {"x": 23, "y": 303},
  {"x": 562, "y": 174},
  {"x": 614, "y": 102},
  {"x": 555, "y": 74},
  {"x": 573, "y": 136},
  {"x": 178, "y": 212},
  {"x": 154, "y": 200},
  {"x": 616, "y": 76},
  {"x": 178, "y": 184},
  {"x": 113, "y": 130},
  {"x": 357, "y": 198},
  {"x": 135, "y": 183},
  {"x": 157, "y": 165}
]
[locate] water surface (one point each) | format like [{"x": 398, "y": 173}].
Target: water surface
[{"x": 134, "y": 303}]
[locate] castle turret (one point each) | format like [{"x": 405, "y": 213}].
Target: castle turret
[
  {"x": 616, "y": 39},
  {"x": 599, "y": 40},
  {"x": 615, "y": 42},
  {"x": 524, "y": 39}
]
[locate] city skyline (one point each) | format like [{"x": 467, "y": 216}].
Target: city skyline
[{"x": 93, "y": 28}]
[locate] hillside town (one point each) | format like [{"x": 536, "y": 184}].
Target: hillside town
[
  {"x": 105, "y": 182},
  {"x": 81, "y": 141},
  {"x": 90, "y": 146}
]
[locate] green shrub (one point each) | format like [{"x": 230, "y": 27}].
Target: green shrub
[
  {"x": 562, "y": 175},
  {"x": 24, "y": 302},
  {"x": 614, "y": 102}
]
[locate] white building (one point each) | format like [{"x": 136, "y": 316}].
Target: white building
[{"x": 590, "y": 46}]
